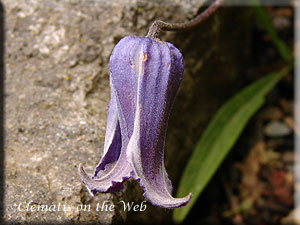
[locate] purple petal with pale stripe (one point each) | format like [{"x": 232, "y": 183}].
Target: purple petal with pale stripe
[
  {"x": 114, "y": 168},
  {"x": 145, "y": 75}
]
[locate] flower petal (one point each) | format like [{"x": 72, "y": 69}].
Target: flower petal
[
  {"x": 150, "y": 84},
  {"x": 113, "y": 169},
  {"x": 144, "y": 77},
  {"x": 113, "y": 141}
]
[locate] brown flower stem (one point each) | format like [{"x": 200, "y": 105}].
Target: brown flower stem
[{"x": 159, "y": 25}]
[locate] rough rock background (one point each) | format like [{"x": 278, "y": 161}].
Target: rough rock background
[{"x": 57, "y": 90}]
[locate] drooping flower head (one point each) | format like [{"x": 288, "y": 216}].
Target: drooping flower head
[{"x": 145, "y": 75}]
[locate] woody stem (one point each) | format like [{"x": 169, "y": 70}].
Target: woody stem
[{"x": 159, "y": 25}]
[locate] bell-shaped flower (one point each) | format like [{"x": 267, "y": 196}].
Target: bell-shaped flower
[{"x": 145, "y": 75}]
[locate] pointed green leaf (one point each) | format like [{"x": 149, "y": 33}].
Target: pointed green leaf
[{"x": 219, "y": 137}]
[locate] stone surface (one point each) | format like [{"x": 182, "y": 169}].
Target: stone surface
[
  {"x": 57, "y": 90},
  {"x": 277, "y": 129}
]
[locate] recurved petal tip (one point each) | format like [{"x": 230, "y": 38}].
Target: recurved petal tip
[
  {"x": 187, "y": 199},
  {"x": 167, "y": 201},
  {"x": 178, "y": 202},
  {"x": 85, "y": 179},
  {"x": 108, "y": 182}
]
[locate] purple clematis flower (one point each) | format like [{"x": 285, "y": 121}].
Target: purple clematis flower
[{"x": 145, "y": 75}]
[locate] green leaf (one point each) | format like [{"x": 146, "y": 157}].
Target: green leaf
[
  {"x": 219, "y": 137},
  {"x": 263, "y": 18}
]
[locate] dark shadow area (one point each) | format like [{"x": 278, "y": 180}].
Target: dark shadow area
[{"x": 2, "y": 72}]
